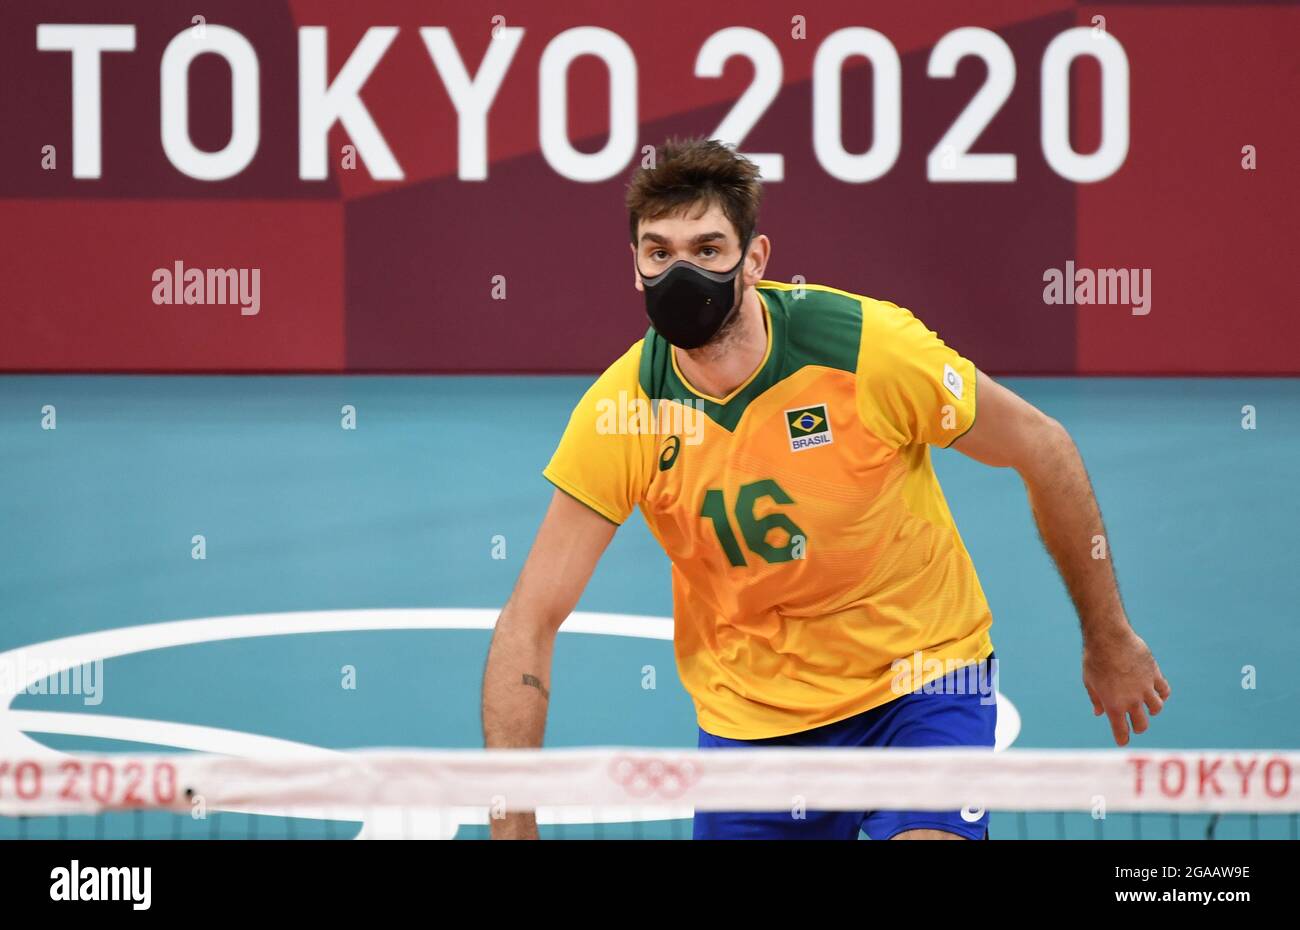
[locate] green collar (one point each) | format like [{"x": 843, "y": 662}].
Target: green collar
[{"x": 661, "y": 380}]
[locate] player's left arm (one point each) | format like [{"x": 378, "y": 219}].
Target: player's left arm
[{"x": 1119, "y": 672}]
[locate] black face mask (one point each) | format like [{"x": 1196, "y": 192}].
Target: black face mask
[{"x": 689, "y": 305}]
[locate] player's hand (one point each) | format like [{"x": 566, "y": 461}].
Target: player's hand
[
  {"x": 1123, "y": 681},
  {"x": 514, "y": 826}
]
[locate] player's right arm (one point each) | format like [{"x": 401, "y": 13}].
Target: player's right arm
[
  {"x": 517, "y": 680},
  {"x": 599, "y": 470}
]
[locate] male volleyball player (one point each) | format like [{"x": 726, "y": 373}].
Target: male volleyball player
[{"x": 821, "y": 593}]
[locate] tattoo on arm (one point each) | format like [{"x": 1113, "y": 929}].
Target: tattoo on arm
[{"x": 534, "y": 682}]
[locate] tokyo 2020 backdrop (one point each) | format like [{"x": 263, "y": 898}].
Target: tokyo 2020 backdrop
[{"x": 437, "y": 187}]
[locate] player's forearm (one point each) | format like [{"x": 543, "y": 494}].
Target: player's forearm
[
  {"x": 516, "y": 683},
  {"x": 1069, "y": 521},
  {"x": 516, "y": 692}
]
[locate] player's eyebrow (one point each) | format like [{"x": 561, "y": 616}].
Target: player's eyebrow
[{"x": 711, "y": 236}]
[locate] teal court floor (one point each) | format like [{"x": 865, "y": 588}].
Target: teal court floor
[{"x": 98, "y": 515}]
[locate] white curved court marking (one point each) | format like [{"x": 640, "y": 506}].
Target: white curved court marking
[{"x": 56, "y": 655}]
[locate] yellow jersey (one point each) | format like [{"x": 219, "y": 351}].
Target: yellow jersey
[{"x": 812, "y": 549}]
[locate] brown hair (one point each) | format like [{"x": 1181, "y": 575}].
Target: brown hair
[{"x": 696, "y": 171}]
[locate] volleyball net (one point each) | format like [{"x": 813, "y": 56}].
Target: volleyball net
[{"x": 644, "y": 793}]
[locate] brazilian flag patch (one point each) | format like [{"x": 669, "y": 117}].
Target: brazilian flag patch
[{"x": 808, "y": 427}]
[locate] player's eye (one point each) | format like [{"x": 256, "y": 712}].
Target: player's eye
[
  {"x": 709, "y": 252},
  {"x": 659, "y": 255}
]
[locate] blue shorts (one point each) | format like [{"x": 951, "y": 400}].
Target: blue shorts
[{"x": 956, "y": 715}]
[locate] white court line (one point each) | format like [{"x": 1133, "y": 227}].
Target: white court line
[{"x": 53, "y": 656}]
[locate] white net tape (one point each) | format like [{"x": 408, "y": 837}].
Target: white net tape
[{"x": 405, "y": 781}]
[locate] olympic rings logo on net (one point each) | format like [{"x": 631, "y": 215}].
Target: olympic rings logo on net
[{"x": 644, "y": 778}]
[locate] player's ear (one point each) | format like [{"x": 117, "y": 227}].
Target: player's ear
[
  {"x": 760, "y": 250},
  {"x": 636, "y": 275}
]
